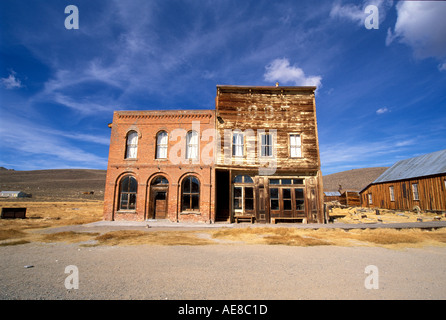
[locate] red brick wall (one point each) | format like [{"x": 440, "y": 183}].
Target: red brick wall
[{"x": 145, "y": 167}]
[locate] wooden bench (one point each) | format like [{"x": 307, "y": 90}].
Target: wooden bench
[
  {"x": 238, "y": 218},
  {"x": 274, "y": 220}
]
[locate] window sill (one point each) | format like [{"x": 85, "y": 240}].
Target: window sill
[
  {"x": 126, "y": 211},
  {"x": 198, "y": 213}
]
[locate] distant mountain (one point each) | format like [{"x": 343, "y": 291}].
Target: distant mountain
[
  {"x": 71, "y": 184},
  {"x": 352, "y": 180},
  {"x": 57, "y": 184}
]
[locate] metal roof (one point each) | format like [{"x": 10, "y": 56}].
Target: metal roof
[
  {"x": 425, "y": 165},
  {"x": 332, "y": 193}
]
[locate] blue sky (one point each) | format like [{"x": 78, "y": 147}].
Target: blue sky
[{"x": 381, "y": 92}]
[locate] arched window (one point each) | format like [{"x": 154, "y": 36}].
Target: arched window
[
  {"x": 132, "y": 145},
  {"x": 161, "y": 145},
  {"x": 192, "y": 145},
  {"x": 243, "y": 179},
  {"x": 190, "y": 194},
  {"x": 158, "y": 181},
  {"x": 127, "y": 193}
]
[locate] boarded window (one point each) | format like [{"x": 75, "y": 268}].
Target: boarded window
[
  {"x": 392, "y": 193},
  {"x": 370, "y": 198},
  {"x": 415, "y": 191}
]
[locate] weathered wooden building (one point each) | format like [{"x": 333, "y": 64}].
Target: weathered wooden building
[
  {"x": 415, "y": 182},
  {"x": 268, "y": 165},
  {"x": 254, "y": 157}
]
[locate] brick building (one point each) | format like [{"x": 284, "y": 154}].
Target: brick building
[{"x": 254, "y": 157}]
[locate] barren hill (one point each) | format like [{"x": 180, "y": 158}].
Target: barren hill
[
  {"x": 352, "y": 180},
  {"x": 70, "y": 184},
  {"x": 56, "y": 185}
]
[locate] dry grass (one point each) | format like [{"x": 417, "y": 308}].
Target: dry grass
[
  {"x": 44, "y": 215},
  {"x": 167, "y": 238},
  {"x": 389, "y": 238}
]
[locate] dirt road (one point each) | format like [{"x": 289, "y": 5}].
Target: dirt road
[{"x": 221, "y": 272}]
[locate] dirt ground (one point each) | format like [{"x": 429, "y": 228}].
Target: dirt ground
[{"x": 242, "y": 262}]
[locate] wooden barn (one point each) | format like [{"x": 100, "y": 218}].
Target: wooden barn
[
  {"x": 330, "y": 196},
  {"x": 409, "y": 184}
]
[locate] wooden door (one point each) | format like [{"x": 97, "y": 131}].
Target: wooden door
[{"x": 158, "y": 203}]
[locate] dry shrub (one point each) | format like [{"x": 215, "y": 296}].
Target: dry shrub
[
  {"x": 11, "y": 234},
  {"x": 68, "y": 236}
]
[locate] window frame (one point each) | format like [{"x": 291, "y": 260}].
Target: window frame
[
  {"x": 189, "y": 145},
  {"x": 191, "y": 194},
  {"x": 270, "y": 146},
  {"x": 297, "y": 147},
  {"x": 392, "y": 193},
  {"x": 241, "y": 146},
  {"x": 415, "y": 192},
  {"x": 163, "y": 146},
  {"x": 130, "y": 145},
  {"x": 129, "y": 194}
]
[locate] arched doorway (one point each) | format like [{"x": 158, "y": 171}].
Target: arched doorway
[{"x": 158, "y": 199}]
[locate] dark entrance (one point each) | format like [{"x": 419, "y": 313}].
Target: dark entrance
[{"x": 222, "y": 188}]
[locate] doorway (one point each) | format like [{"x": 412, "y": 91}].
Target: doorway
[{"x": 158, "y": 199}]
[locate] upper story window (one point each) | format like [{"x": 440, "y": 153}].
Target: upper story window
[
  {"x": 192, "y": 145},
  {"x": 266, "y": 147},
  {"x": 237, "y": 144},
  {"x": 161, "y": 145},
  {"x": 131, "y": 151},
  {"x": 295, "y": 146}
]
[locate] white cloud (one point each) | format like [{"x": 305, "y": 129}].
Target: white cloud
[
  {"x": 422, "y": 26},
  {"x": 20, "y": 136},
  {"x": 11, "y": 82},
  {"x": 382, "y": 110},
  {"x": 281, "y": 70},
  {"x": 349, "y": 11}
]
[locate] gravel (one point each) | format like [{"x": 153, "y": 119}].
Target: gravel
[{"x": 221, "y": 271}]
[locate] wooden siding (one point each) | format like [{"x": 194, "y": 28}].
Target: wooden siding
[
  {"x": 431, "y": 194},
  {"x": 259, "y": 110},
  {"x": 281, "y": 111},
  {"x": 350, "y": 198}
]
